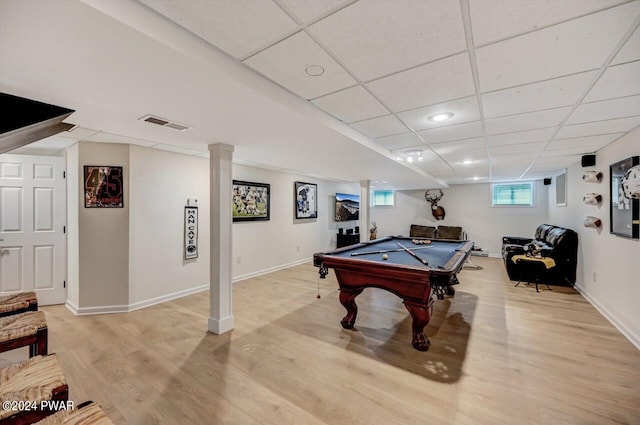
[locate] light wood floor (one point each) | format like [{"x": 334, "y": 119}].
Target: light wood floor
[{"x": 499, "y": 355}]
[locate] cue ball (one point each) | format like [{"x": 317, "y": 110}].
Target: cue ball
[{"x": 385, "y": 257}]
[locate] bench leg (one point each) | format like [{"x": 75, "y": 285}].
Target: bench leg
[{"x": 40, "y": 347}]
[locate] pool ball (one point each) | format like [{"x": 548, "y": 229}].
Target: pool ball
[{"x": 385, "y": 257}]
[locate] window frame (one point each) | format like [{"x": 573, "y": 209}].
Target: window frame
[
  {"x": 532, "y": 185},
  {"x": 393, "y": 197}
]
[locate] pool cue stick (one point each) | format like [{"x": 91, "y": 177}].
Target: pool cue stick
[
  {"x": 413, "y": 254},
  {"x": 353, "y": 254}
]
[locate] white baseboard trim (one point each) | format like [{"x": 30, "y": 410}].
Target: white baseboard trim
[
  {"x": 270, "y": 270},
  {"x": 80, "y": 311},
  {"x": 107, "y": 309},
  {"x": 221, "y": 326},
  {"x": 164, "y": 298},
  {"x": 633, "y": 338}
]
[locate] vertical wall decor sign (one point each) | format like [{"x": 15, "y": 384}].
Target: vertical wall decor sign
[
  {"x": 103, "y": 186},
  {"x": 191, "y": 230}
]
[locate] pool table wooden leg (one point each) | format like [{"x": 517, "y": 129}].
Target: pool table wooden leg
[
  {"x": 348, "y": 301},
  {"x": 421, "y": 315}
]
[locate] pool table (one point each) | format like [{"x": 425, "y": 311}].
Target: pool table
[{"x": 416, "y": 272}]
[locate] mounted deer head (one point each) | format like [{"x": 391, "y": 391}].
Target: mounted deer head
[{"x": 433, "y": 196}]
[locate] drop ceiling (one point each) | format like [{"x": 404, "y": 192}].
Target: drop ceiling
[{"x": 338, "y": 89}]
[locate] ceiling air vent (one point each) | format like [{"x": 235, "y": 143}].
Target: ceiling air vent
[{"x": 151, "y": 119}]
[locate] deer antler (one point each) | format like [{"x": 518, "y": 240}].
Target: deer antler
[{"x": 430, "y": 197}]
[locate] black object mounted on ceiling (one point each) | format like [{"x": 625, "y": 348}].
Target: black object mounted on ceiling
[
  {"x": 547, "y": 181},
  {"x": 25, "y": 121}
]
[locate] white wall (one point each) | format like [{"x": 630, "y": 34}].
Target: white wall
[
  {"x": 468, "y": 206},
  {"x": 103, "y": 234},
  {"x": 262, "y": 246},
  {"x": 160, "y": 183},
  {"x": 73, "y": 230},
  {"x": 607, "y": 264}
]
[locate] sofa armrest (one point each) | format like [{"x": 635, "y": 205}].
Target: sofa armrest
[
  {"x": 512, "y": 249},
  {"x": 516, "y": 240}
]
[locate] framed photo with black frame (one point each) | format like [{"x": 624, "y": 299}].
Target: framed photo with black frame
[
  {"x": 306, "y": 200},
  {"x": 624, "y": 177},
  {"x": 250, "y": 201},
  {"x": 103, "y": 186}
]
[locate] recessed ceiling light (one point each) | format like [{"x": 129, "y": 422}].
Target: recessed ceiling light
[
  {"x": 443, "y": 116},
  {"x": 314, "y": 70},
  {"x": 414, "y": 155},
  {"x": 467, "y": 162}
]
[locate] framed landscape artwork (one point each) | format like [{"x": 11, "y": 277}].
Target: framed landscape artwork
[
  {"x": 103, "y": 186},
  {"x": 250, "y": 201},
  {"x": 306, "y": 200}
]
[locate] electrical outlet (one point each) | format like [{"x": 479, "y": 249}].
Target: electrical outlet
[
  {"x": 594, "y": 276},
  {"x": 298, "y": 248},
  {"x": 239, "y": 259}
]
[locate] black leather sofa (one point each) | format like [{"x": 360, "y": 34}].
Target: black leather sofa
[{"x": 555, "y": 242}]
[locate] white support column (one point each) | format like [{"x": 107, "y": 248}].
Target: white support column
[
  {"x": 365, "y": 223},
  {"x": 221, "y": 180}
]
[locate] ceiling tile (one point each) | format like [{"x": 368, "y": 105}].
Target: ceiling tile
[
  {"x": 522, "y": 137},
  {"x": 286, "y": 62},
  {"x": 494, "y": 20},
  {"x": 380, "y": 127},
  {"x": 307, "y": 10},
  {"x": 429, "y": 84},
  {"x": 526, "y": 149},
  {"x": 556, "y": 161},
  {"x": 116, "y": 138},
  {"x": 374, "y": 38},
  {"x": 574, "y": 46},
  {"x": 237, "y": 27},
  {"x": 503, "y": 162},
  {"x": 80, "y": 133},
  {"x": 452, "y": 132},
  {"x": 48, "y": 145},
  {"x": 352, "y": 104},
  {"x": 617, "y": 81},
  {"x": 630, "y": 51},
  {"x": 590, "y": 143},
  {"x": 563, "y": 91},
  {"x": 621, "y": 125},
  {"x": 509, "y": 172},
  {"x": 464, "y": 110},
  {"x": 177, "y": 149},
  {"x": 462, "y": 150},
  {"x": 527, "y": 121},
  {"x": 400, "y": 141},
  {"x": 605, "y": 110}
]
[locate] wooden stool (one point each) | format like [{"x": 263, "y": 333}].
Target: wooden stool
[
  {"x": 88, "y": 413},
  {"x": 18, "y": 303},
  {"x": 20, "y": 330},
  {"x": 39, "y": 379}
]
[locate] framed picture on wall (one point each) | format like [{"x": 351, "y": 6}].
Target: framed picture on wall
[
  {"x": 103, "y": 186},
  {"x": 306, "y": 200},
  {"x": 250, "y": 201},
  {"x": 624, "y": 177}
]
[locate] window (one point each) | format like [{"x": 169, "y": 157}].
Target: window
[
  {"x": 383, "y": 198},
  {"x": 512, "y": 194}
]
